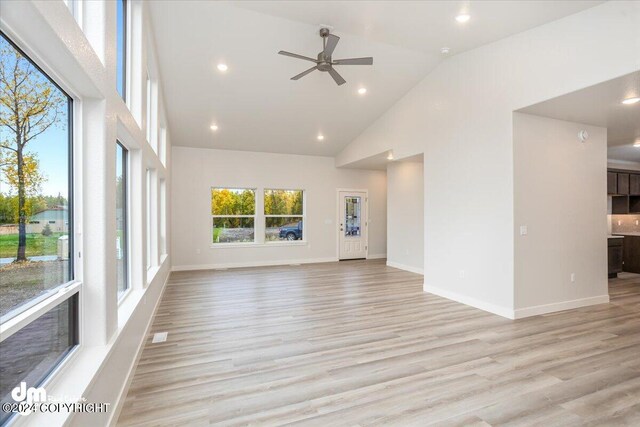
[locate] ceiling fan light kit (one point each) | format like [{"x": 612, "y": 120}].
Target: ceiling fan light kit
[{"x": 324, "y": 61}]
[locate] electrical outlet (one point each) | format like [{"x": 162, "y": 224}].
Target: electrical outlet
[
  {"x": 524, "y": 230},
  {"x": 197, "y": 251},
  {"x": 461, "y": 274}
]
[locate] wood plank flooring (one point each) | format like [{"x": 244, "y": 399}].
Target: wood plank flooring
[{"x": 359, "y": 343}]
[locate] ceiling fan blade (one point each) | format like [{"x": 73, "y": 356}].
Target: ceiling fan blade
[
  {"x": 295, "y": 55},
  {"x": 332, "y": 41},
  {"x": 337, "y": 77},
  {"x": 354, "y": 61},
  {"x": 304, "y": 73}
]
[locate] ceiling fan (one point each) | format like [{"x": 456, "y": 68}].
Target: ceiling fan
[{"x": 324, "y": 61}]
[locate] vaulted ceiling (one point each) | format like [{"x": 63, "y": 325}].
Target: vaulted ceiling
[{"x": 255, "y": 104}]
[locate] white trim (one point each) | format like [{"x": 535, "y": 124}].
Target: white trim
[
  {"x": 258, "y": 245},
  {"x": 535, "y": 310},
  {"x": 13, "y": 325},
  {"x": 405, "y": 267},
  {"x": 117, "y": 405},
  {"x": 376, "y": 256},
  {"x": 251, "y": 264},
  {"x": 473, "y": 302}
]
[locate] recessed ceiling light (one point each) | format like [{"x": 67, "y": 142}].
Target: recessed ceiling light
[
  {"x": 214, "y": 127},
  {"x": 445, "y": 50},
  {"x": 362, "y": 90},
  {"x": 630, "y": 101},
  {"x": 463, "y": 17},
  {"x": 390, "y": 156},
  {"x": 320, "y": 137},
  {"x": 222, "y": 67}
]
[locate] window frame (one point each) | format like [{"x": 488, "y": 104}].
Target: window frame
[
  {"x": 126, "y": 220},
  {"x": 30, "y": 311},
  {"x": 70, "y": 196},
  {"x": 254, "y": 216},
  {"x": 303, "y": 217}
]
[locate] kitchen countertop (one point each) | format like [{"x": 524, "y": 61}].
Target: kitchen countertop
[
  {"x": 629, "y": 233},
  {"x": 614, "y": 237}
]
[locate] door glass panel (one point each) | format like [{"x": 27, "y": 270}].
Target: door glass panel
[{"x": 352, "y": 216}]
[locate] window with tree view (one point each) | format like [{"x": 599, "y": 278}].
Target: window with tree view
[
  {"x": 284, "y": 215},
  {"x": 233, "y": 212},
  {"x": 35, "y": 221}
]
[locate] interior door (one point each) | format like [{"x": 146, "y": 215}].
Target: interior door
[{"x": 353, "y": 224}]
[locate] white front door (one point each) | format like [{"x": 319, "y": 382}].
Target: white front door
[{"x": 353, "y": 224}]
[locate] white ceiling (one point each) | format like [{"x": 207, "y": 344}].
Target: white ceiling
[
  {"x": 600, "y": 105},
  {"x": 425, "y": 26},
  {"x": 257, "y": 107}
]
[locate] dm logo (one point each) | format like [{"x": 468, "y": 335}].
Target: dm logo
[{"x": 28, "y": 395}]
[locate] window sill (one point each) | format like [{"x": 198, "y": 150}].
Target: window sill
[
  {"x": 122, "y": 296},
  {"x": 151, "y": 273},
  {"x": 259, "y": 245}
]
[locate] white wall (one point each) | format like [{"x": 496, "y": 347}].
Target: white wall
[
  {"x": 196, "y": 170},
  {"x": 627, "y": 165},
  {"x": 405, "y": 215},
  {"x": 560, "y": 196},
  {"x": 82, "y": 60},
  {"x": 460, "y": 117}
]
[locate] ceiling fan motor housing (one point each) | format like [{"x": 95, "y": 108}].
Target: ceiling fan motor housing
[{"x": 324, "y": 62}]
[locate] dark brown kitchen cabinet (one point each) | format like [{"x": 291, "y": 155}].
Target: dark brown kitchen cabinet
[
  {"x": 631, "y": 252},
  {"x": 616, "y": 257},
  {"x": 619, "y": 205},
  {"x": 634, "y": 184},
  {"x": 612, "y": 183},
  {"x": 623, "y": 183}
]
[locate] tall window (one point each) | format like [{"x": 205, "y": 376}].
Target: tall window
[
  {"x": 36, "y": 223},
  {"x": 284, "y": 215},
  {"x": 122, "y": 238},
  {"x": 163, "y": 217},
  {"x": 233, "y": 212},
  {"x": 121, "y": 47},
  {"x": 148, "y": 219},
  {"x": 149, "y": 108}
]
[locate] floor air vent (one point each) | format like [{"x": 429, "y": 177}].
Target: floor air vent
[{"x": 159, "y": 337}]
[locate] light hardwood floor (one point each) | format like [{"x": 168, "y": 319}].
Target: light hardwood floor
[{"x": 359, "y": 343}]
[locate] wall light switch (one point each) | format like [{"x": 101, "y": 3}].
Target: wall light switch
[
  {"x": 573, "y": 277},
  {"x": 524, "y": 230}
]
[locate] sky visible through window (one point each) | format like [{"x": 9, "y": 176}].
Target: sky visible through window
[
  {"x": 50, "y": 147},
  {"x": 120, "y": 46}
]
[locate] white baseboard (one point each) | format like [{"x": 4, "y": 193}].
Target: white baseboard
[
  {"x": 559, "y": 306},
  {"x": 117, "y": 406},
  {"x": 473, "y": 302},
  {"x": 376, "y": 256},
  {"x": 251, "y": 264},
  {"x": 405, "y": 267}
]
